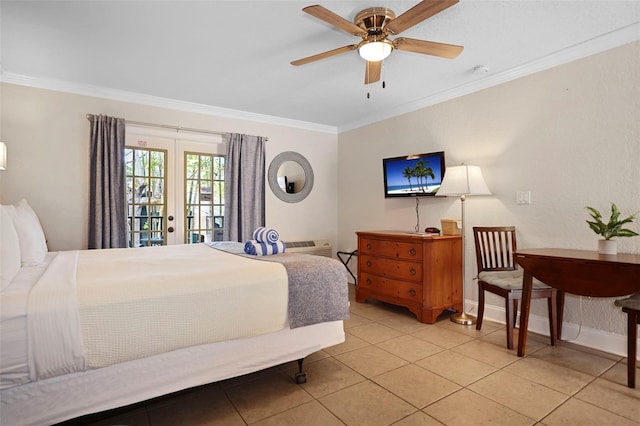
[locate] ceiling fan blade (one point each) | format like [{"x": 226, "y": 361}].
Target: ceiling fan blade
[
  {"x": 418, "y": 13},
  {"x": 329, "y": 17},
  {"x": 372, "y": 72},
  {"x": 324, "y": 55},
  {"x": 443, "y": 50}
]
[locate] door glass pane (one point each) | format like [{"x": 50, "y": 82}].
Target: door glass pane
[
  {"x": 204, "y": 204},
  {"x": 157, "y": 164},
  {"x": 146, "y": 198}
]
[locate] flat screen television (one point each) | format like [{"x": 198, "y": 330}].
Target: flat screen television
[{"x": 413, "y": 175}]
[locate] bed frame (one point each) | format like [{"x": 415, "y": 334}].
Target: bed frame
[{"x": 66, "y": 397}]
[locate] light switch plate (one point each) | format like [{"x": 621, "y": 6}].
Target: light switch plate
[{"x": 523, "y": 197}]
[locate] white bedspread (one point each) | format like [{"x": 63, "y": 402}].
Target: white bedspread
[
  {"x": 54, "y": 338},
  {"x": 135, "y": 303}
]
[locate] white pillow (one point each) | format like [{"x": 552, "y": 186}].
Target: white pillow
[
  {"x": 9, "y": 249},
  {"x": 33, "y": 245}
]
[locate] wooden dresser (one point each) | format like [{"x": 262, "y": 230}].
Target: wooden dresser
[{"x": 422, "y": 273}]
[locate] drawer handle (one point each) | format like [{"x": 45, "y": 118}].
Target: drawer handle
[
  {"x": 368, "y": 262},
  {"x": 368, "y": 246},
  {"x": 412, "y": 252},
  {"x": 368, "y": 280},
  {"x": 412, "y": 271},
  {"x": 412, "y": 292}
]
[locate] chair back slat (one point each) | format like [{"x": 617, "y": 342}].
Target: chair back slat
[{"x": 495, "y": 248}]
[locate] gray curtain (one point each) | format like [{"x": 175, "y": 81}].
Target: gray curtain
[
  {"x": 244, "y": 181},
  {"x": 107, "y": 202}
]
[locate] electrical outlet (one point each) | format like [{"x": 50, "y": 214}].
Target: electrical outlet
[{"x": 523, "y": 197}]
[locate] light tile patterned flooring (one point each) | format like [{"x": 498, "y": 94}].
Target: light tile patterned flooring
[{"x": 393, "y": 370}]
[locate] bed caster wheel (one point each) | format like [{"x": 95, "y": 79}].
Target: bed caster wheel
[{"x": 301, "y": 378}]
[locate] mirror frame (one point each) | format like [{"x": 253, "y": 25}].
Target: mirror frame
[{"x": 273, "y": 176}]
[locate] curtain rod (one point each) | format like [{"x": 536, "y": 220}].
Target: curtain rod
[{"x": 176, "y": 128}]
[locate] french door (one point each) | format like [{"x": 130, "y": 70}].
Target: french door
[
  {"x": 147, "y": 192},
  {"x": 203, "y": 197},
  {"x": 175, "y": 188}
]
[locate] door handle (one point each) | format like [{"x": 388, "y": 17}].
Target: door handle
[
  {"x": 170, "y": 229},
  {"x": 170, "y": 218}
]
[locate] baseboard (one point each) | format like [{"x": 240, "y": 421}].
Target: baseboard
[{"x": 589, "y": 337}]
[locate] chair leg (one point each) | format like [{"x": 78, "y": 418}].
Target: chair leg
[
  {"x": 515, "y": 312},
  {"x": 480, "y": 307},
  {"x": 510, "y": 321},
  {"x": 633, "y": 318}
]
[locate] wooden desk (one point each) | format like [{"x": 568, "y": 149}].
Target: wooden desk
[{"x": 581, "y": 272}]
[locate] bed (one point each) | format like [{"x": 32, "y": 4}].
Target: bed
[{"x": 91, "y": 330}]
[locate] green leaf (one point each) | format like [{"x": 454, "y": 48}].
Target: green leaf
[
  {"x": 626, "y": 233},
  {"x": 595, "y": 214}
]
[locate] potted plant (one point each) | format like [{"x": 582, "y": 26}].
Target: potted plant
[{"x": 613, "y": 228}]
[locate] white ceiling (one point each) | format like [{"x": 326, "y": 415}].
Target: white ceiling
[{"x": 235, "y": 55}]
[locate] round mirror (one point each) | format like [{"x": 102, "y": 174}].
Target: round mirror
[{"x": 290, "y": 177}]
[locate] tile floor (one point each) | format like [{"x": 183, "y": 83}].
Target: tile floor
[{"x": 393, "y": 370}]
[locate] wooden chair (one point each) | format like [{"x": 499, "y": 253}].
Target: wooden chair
[
  {"x": 498, "y": 273},
  {"x": 631, "y": 306}
]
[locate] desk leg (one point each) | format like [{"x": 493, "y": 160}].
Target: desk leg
[
  {"x": 553, "y": 317},
  {"x": 560, "y": 307},
  {"x": 525, "y": 305},
  {"x": 632, "y": 320}
]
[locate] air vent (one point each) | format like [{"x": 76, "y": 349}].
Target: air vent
[{"x": 316, "y": 247}]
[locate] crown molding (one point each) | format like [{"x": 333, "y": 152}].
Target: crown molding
[
  {"x": 581, "y": 50},
  {"x": 138, "y": 98}
]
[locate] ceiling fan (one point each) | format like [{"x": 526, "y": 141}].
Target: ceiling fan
[{"x": 374, "y": 25}]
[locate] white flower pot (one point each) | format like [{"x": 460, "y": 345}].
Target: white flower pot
[{"x": 607, "y": 247}]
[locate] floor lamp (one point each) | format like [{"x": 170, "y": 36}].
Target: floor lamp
[{"x": 462, "y": 181}]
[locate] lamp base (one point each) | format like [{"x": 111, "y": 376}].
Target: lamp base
[{"x": 463, "y": 319}]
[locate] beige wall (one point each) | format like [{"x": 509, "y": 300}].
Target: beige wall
[
  {"x": 570, "y": 135},
  {"x": 46, "y": 133}
]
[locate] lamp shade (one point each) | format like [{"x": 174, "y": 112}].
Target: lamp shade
[
  {"x": 3, "y": 156},
  {"x": 463, "y": 180},
  {"x": 375, "y": 50}
]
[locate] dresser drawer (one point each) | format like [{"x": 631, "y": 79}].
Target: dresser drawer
[
  {"x": 391, "y": 288},
  {"x": 390, "y": 268},
  {"x": 394, "y": 249}
]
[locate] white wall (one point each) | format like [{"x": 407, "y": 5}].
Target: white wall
[
  {"x": 570, "y": 135},
  {"x": 47, "y": 134}
]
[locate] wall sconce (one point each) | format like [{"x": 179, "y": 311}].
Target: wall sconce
[{"x": 3, "y": 156}]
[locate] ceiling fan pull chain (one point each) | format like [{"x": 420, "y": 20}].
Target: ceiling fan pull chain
[{"x": 367, "y": 72}]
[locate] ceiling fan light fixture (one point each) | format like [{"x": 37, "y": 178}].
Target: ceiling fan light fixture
[{"x": 375, "y": 50}]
